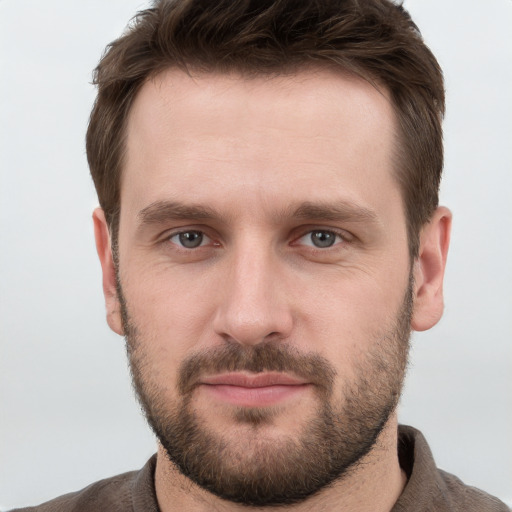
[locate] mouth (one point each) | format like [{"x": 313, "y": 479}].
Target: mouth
[{"x": 253, "y": 390}]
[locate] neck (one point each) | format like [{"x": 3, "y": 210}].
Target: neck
[{"x": 373, "y": 486}]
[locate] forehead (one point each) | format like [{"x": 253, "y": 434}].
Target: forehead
[{"x": 203, "y": 133}]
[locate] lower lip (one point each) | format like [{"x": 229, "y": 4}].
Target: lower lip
[{"x": 254, "y": 397}]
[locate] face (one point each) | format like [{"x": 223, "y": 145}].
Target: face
[{"x": 263, "y": 276}]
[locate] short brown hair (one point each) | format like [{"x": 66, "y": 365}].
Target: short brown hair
[{"x": 375, "y": 39}]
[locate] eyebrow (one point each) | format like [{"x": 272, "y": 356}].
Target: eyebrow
[
  {"x": 160, "y": 212},
  {"x": 337, "y": 211}
]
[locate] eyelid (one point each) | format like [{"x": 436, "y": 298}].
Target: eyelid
[
  {"x": 345, "y": 236},
  {"x": 204, "y": 240},
  {"x": 167, "y": 236}
]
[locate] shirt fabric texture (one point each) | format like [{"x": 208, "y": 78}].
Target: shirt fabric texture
[{"x": 428, "y": 489}]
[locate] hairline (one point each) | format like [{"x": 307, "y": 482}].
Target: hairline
[{"x": 398, "y": 155}]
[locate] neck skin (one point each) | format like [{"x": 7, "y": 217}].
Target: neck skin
[{"x": 374, "y": 486}]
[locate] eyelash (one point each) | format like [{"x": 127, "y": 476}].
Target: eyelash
[
  {"x": 188, "y": 231},
  {"x": 341, "y": 237}
]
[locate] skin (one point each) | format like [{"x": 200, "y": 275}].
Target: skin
[{"x": 252, "y": 151}]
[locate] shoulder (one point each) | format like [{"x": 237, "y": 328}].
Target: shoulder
[
  {"x": 121, "y": 493},
  {"x": 111, "y": 494},
  {"x": 467, "y": 498},
  {"x": 431, "y": 489}
]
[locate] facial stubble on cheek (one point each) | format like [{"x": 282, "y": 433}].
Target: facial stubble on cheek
[{"x": 261, "y": 470}]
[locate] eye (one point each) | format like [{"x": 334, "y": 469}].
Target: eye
[
  {"x": 321, "y": 238},
  {"x": 190, "y": 239}
]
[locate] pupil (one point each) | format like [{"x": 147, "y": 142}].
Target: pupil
[
  {"x": 191, "y": 239},
  {"x": 323, "y": 238}
]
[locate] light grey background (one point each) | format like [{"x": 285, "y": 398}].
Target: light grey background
[{"x": 67, "y": 415}]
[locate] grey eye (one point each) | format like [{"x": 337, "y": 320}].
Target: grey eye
[
  {"x": 323, "y": 239},
  {"x": 189, "y": 239}
]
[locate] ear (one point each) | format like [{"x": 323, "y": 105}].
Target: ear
[
  {"x": 104, "y": 249},
  {"x": 429, "y": 270}
]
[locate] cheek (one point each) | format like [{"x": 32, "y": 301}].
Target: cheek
[
  {"x": 171, "y": 309},
  {"x": 347, "y": 322}
]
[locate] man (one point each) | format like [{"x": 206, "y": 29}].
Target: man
[{"x": 269, "y": 235}]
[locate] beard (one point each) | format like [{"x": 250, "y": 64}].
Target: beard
[{"x": 255, "y": 469}]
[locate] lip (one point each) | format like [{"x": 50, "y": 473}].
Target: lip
[
  {"x": 253, "y": 390},
  {"x": 253, "y": 380}
]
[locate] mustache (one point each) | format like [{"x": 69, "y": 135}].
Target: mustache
[{"x": 264, "y": 357}]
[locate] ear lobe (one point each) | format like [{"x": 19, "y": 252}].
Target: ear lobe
[
  {"x": 429, "y": 270},
  {"x": 104, "y": 250}
]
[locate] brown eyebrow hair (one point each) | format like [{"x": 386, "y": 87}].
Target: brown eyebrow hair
[
  {"x": 161, "y": 211},
  {"x": 336, "y": 211}
]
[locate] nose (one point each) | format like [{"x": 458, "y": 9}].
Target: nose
[{"x": 253, "y": 305}]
